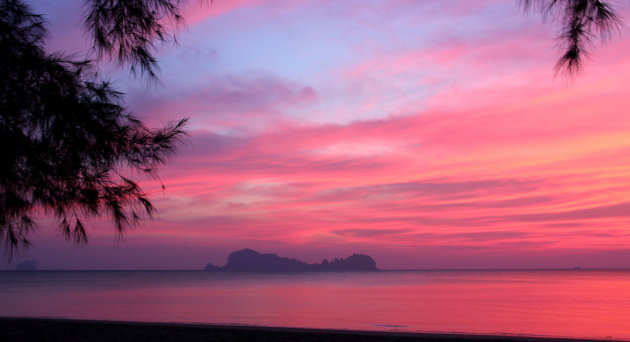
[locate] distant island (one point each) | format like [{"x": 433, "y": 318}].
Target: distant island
[
  {"x": 28, "y": 265},
  {"x": 248, "y": 260}
]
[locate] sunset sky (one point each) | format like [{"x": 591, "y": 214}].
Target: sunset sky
[{"x": 427, "y": 134}]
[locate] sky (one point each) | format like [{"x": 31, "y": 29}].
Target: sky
[{"x": 427, "y": 134}]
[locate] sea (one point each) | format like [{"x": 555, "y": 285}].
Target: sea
[{"x": 548, "y": 303}]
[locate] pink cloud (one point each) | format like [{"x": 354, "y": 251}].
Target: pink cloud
[
  {"x": 232, "y": 103},
  {"x": 455, "y": 149},
  {"x": 199, "y": 11},
  {"x": 542, "y": 174}
]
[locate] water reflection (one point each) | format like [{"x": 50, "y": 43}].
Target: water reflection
[{"x": 552, "y": 303}]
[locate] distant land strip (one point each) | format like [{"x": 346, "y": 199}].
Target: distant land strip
[{"x": 52, "y": 330}]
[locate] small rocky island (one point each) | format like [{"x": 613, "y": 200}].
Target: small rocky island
[{"x": 248, "y": 260}]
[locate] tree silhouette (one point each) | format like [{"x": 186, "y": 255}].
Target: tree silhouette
[
  {"x": 582, "y": 22},
  {"x": 127, "y": 30},
  {"x": 69, "y": 146}
]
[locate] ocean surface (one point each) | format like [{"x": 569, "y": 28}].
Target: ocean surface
[{"x": 558, "y": 303}]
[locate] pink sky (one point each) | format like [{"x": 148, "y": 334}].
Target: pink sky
[{"x": 426, "y": 134}]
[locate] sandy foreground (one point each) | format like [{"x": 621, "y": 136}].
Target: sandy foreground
[{"x": 43, "y": 329}]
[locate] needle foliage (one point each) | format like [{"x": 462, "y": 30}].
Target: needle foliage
[
  {"x": 68, "y": 145},
  {"x": 582, "y": 23}
]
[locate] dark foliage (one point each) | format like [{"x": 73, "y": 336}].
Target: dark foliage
[
  {"x": 127, "y": 30},
  {"x": 67, "y": 140},
  {"x": 583, "y": 21}
]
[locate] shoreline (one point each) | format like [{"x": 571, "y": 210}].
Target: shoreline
[
  {"x": 58, "y": 329},
  {"x": 499, "y": 269}
]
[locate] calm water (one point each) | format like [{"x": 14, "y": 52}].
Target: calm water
[{"x": 583, "y": 303}]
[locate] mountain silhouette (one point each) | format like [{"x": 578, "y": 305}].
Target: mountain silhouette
[{"x": 248, "y": 260}]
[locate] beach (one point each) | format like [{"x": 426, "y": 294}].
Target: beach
[{"x": 45, "y": 329}]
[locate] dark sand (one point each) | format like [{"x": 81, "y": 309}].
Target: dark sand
[{"x": 36, "y": 329}]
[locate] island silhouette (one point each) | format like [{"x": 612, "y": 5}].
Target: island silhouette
[{"x": 248, "y": 260}]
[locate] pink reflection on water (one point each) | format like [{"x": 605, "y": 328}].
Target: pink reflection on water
[{"x": 574, "y": 304}]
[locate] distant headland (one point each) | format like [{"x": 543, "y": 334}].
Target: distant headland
[
  {"x": 28, "y": 265},
  {"x": 248, "y": 260}
]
